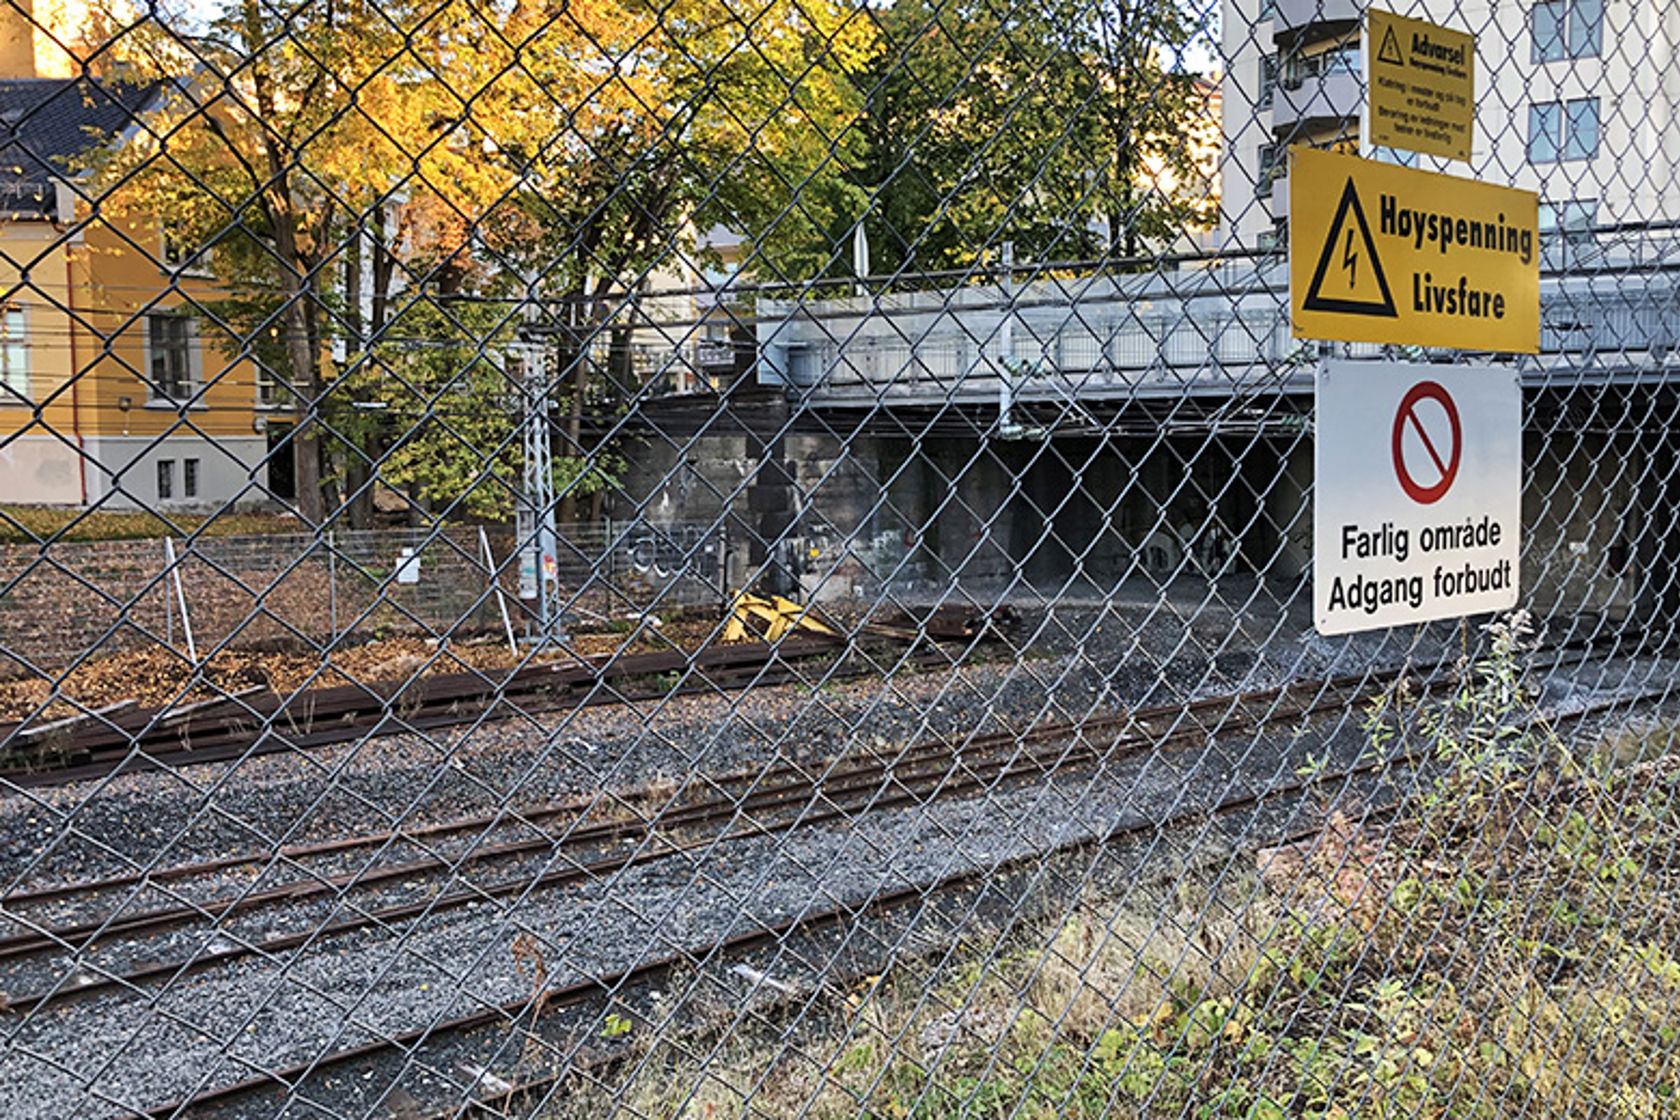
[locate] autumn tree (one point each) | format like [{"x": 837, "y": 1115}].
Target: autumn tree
[
  {"x": 699, "y": 117},
  {"x": 1064, "y": 127},
  {"x": 349, "y": 159},
  {"x": 290, "y": 138}
]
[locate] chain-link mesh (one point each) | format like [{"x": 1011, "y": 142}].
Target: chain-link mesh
[{"x": 754, "y": 558}]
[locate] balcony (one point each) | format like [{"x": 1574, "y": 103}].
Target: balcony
[
  {"x": 1318, "y": 105},
  {"x": 1311, "y": 20},
  {"x": 720, "y": 359}
]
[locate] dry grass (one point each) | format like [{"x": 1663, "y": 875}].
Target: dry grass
[
  {"x": 34, "y": 524},
  {"x": 1511, "y": 948},
  {"x": 897, "y": 1043},
  {"x": 155, "y": 677}
]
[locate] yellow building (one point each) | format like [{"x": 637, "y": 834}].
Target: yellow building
[{"x": 111, "y": 389}]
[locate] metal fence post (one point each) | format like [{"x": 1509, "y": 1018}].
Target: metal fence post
[
  {"x": 332, "y": 587},
  {"x": 174, "y": 570}
]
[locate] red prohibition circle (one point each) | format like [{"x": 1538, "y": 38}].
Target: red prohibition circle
[{"x": 1424, "y": 495}]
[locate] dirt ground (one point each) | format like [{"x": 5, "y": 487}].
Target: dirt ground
[{"x": 157, "y": 677}]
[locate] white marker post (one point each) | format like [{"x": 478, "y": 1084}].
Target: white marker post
[{"x": 1417, "y": 493}]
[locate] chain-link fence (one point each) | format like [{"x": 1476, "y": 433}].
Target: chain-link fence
[
  {"x": 791, "y": 558},
  {"x": 293, "y": 593}
]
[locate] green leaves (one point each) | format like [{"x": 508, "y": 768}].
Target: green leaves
[{"x": 1062, "y": 127}]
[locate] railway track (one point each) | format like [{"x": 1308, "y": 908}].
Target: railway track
[
  {"x": 127, "y": 738},
  {"x": 738, "y": 806},
  {"x": 506, "y": 1097},
  {"x": 552, "y": 846},
  {"x": 615, "y": 987}
]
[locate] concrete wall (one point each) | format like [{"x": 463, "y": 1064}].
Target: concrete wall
[
  {"x": 122, "y": 470},
  {"x": 1080, "y": 512},
  {"x": 1087, "y": 513},
  {"x": 1289, "y": 510},
  {"x": 1580, "y": 525},
  {"x": 694, "y": 481},
  {"x": 955, "y": 504},
  {"x": 814, "y": 494},
  {"x": 40, "y": 470}
]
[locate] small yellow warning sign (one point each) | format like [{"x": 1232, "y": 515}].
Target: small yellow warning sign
[
  {"x": 1379, "y": 253},
  {"x": 1422, "y": 85}
]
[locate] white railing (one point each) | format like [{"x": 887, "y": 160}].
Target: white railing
[{"x": 1098, "y": 338}]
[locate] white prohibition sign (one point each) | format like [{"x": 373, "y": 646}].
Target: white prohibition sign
[{"x": 1417, "y": 493}]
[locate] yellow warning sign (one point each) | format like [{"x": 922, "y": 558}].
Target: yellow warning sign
[
  {"x": 1422, "y": 86},
  {"x": 1379, "y": 253}
]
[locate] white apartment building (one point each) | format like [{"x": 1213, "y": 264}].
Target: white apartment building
[{"x": 1575, "y": 100}]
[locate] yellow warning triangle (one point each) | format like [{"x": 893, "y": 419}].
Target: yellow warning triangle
[
  {"x": 1348, "y": 278},
  {"x": 1390, "y": 49}
]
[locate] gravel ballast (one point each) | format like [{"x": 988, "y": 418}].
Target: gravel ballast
[{"x": 109, "y": 1054}]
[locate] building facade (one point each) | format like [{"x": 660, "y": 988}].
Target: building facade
[
  {"x": 1575, "y": 100},
  {"x": 113, "y": 388}
]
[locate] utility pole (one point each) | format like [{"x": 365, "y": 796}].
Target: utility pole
[
  {"x": 860, "y": 256},
  {"x": 536, "y": 537},
  {"x": 1006, "y": 344}
]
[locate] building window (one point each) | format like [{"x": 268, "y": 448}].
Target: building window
[
  {"x": 169, "y": 346},
  {"x": 14, "y": 356},
  {"x": 1580, "y": 128},
  {"x": 1268, "y": 80},
  {"x": 1562, "y": 130},
  {"x": 1568, "y": 223},
  {"x": 166, "y": 479},
  {"x": 273, "y": 391},
  {"x": 1545, "y": 121},
  {"x": 189, "y": 478},
  {"x": 1268, "y": 170},
  {"x": 1299, "y": 69},
  {"x": 1567, "y": 29}
]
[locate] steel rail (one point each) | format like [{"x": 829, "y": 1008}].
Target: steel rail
[
  {"x": 878, "y": 785},
  {"x": 553, "y": 999},
  {"x": 768, "y": 788},
  {"x": 763, "y": 779},
  {"x": 236, "y": 728},
  {"x": 786, "y": 784}
]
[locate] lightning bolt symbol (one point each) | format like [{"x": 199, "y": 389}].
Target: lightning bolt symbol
[{"x": 1350, "y": 259}]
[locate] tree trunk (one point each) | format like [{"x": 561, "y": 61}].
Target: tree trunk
[
  {"x": 306, "y": 438},
  {"x": 306, "y": 376},
  {"x": 566, "y": 511},
  {"x": 384, "y": 266}
]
